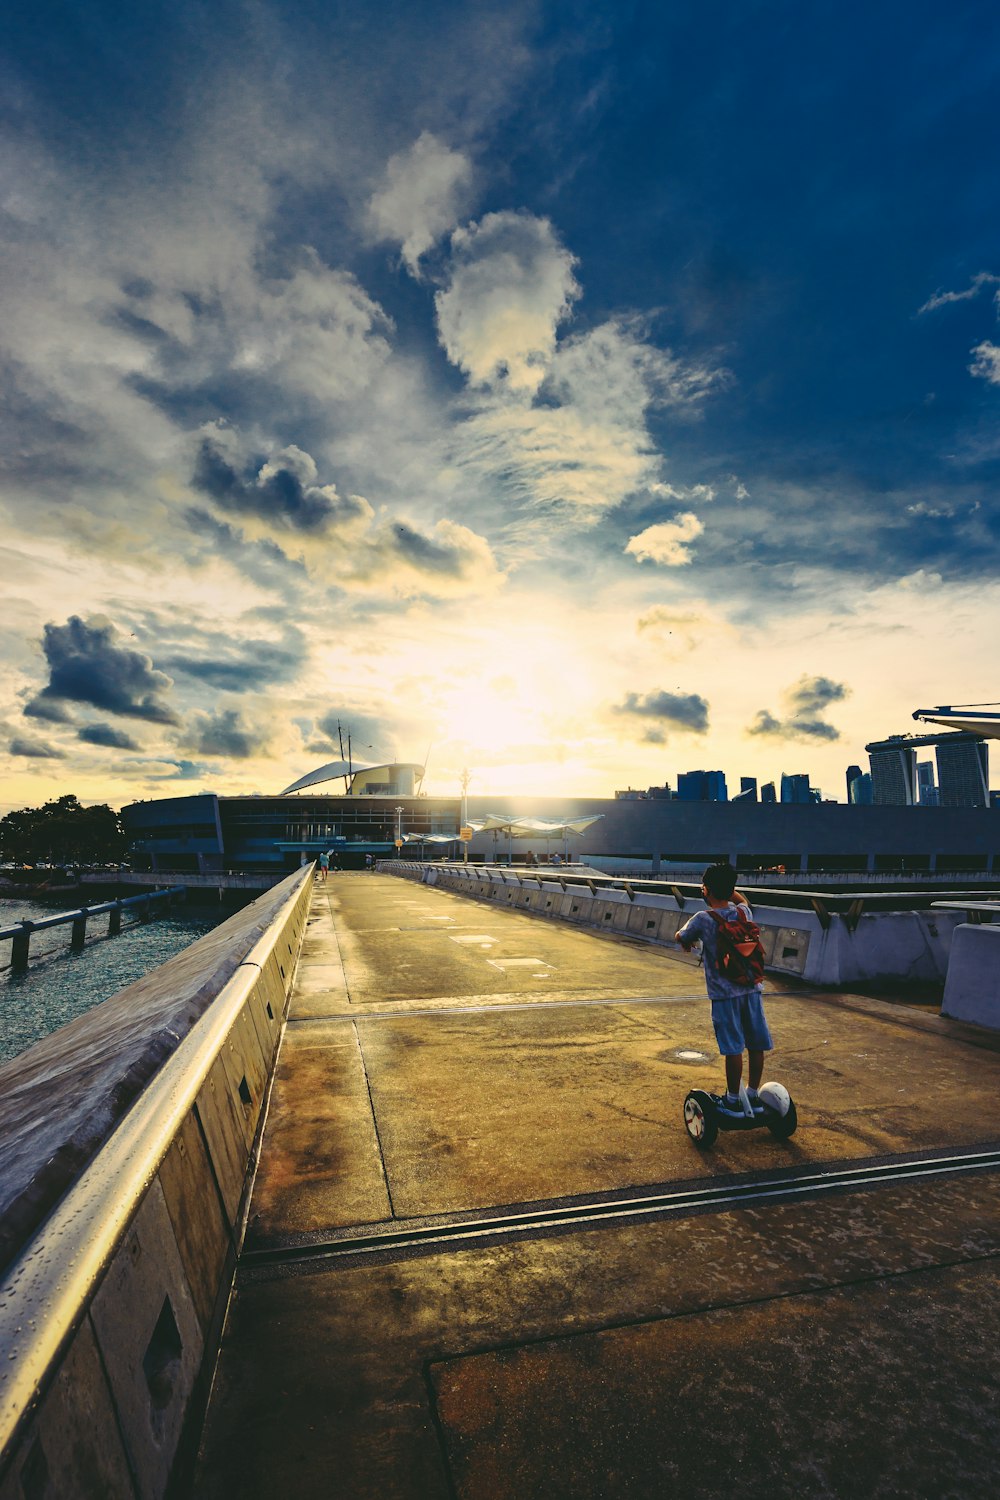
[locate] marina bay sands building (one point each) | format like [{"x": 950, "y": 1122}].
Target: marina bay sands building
[{"x": 962, "y": 769}]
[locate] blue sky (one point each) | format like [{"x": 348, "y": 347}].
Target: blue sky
[{"x": 588, "y": 395}]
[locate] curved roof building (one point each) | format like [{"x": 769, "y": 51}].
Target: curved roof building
[{"x": 396, "y": 779}]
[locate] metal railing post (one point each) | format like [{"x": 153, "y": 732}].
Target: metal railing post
[{"x": 19, "y": 947}]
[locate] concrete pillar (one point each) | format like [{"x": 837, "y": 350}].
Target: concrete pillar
[
  {"x": 115, "y": 920},
  {"x": 78, "y": 936}
]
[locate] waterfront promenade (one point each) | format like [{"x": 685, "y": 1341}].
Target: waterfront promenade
[{"x": 484, "y": 1259}]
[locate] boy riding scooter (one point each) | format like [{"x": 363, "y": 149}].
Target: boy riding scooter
[{"x": 734, "y": 970}]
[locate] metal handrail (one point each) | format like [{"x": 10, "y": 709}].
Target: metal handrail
[
  {"x": 795, "y": 899},
  {"x": 47, "y": 1291},
  {"x": 60, "y": 919}
]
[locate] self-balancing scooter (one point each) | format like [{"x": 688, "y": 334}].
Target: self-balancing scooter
[{"x": 703, "y": 1117}]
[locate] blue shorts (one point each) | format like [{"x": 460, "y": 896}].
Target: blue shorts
[{"x": 740, "y": 1023}]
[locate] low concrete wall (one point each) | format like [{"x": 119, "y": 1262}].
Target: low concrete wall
[
  {"x": 972, "y": 991},
  {"x": 879, "y": 947},
  {"x": 127, "y": 1142}
]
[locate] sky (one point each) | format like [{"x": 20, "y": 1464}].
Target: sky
[{"x": 574, "y": 395}]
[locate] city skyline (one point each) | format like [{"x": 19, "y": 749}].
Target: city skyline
[{"x": 552, "y": 394}]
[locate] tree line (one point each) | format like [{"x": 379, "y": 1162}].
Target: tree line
[{"x": 62, "y": 832}]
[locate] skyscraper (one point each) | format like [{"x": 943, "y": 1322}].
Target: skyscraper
[
  {"x": 795, "y": 788},
  {"x": 767, "y": 792},
  {"x": 853, "y": 772},
  {"x": 962, "y": 767},
  {"x": 963, "y": 771},
  {"x": 927, "y": 792},
  {"x": 702, "y": 786},
  {"x": 894, "y": 773}
]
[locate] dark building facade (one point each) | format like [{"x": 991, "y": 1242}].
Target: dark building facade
[
  {"x": 208, "y": 834},
  {"x": 276, "y": 833}
]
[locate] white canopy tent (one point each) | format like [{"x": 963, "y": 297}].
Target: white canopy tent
[{"x": 534, "y": 828}]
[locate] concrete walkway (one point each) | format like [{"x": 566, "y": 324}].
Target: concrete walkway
[{"x": 449, "y": 1067}]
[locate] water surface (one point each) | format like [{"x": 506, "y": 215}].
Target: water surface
[{"x": 59, "y": 985}]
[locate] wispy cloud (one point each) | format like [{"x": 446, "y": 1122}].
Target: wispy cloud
[{"x": 944, "y": 299}]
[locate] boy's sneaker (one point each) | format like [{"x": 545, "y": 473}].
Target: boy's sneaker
[
  {"x": 755, "y": 1101},
  {"x": 729, "y": 1104}
]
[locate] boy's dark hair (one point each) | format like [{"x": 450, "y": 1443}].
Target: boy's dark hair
[{"x": 720, "y": 881}]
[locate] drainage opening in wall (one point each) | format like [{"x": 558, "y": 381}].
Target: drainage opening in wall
[
  {"x": 161, "y": 1363},
  {"x": 35, "y": 1474},
  {"x": 245, "y": 1093}
]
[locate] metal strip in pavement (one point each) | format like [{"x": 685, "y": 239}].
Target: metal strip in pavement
[{"x": 593, "y": 1214}]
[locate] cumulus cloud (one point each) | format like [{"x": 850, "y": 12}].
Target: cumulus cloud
[
  {"x": 106, "y": 734},
  {"x": 88, "y": 665},
  {"x": 667, "y": 543},
  {"x": 448, "y": 561},
  {"x": 51, "y": 712},
  {"x": 425, "y": 192},
  {"x": 227, "y": 733},
  {"x": 35, "y": 749},
  {"x": 510, "y": 284},
  {"x": 986, "y": 364},
  {"x": 806, "y": 701},
  {"x": 686, "y": 712},
  {"x": 282, "y": 490},
  {"x": 340, "y": 536}
]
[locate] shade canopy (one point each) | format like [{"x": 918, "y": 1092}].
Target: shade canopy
[{"x": 534, "y": 828}]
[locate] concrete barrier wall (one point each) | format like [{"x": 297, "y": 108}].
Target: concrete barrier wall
[
  {"x": 111, "y": 1310},
  {"x": 879, "y": 947},
  {"x": 972, "y": 991}
]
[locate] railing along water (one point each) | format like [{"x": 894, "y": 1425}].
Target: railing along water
[{"x": 21, "y": 932}]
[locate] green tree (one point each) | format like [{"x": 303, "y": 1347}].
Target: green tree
[{"x": 62, "y": 832}]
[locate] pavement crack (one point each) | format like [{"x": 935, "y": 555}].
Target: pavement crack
[
  {"x": 371, "y": 1105},
  {"x": 619, "y": 1109}
]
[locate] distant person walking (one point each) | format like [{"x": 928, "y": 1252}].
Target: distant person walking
[
  {"x": 324, "y": 865},
  {"x": 734, "y": 968}
]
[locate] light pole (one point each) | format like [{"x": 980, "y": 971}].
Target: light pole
[
  {"x": 464, "y": 824},
  {"x": 399, "y": 831}
]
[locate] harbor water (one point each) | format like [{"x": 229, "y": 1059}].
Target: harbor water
[{"x": 59, "y": 985}]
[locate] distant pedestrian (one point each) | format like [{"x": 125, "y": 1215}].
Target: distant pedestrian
[
  {"x": 734, "y": 968},
  {"x": 324, "y": 865}
]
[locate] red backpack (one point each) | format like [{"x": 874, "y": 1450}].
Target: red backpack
[{"x": 739, "y": 955}]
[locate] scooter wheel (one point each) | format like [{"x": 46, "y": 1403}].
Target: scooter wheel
[
  {"x": 782, "y": 1126},
  {"x": 699, "y": 1118}
]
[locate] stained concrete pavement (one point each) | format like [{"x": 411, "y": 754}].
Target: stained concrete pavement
[{"x": 448, "y": 1063}]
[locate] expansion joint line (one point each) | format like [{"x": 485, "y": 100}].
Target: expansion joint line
[{"x": 582, "y": 1215}]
